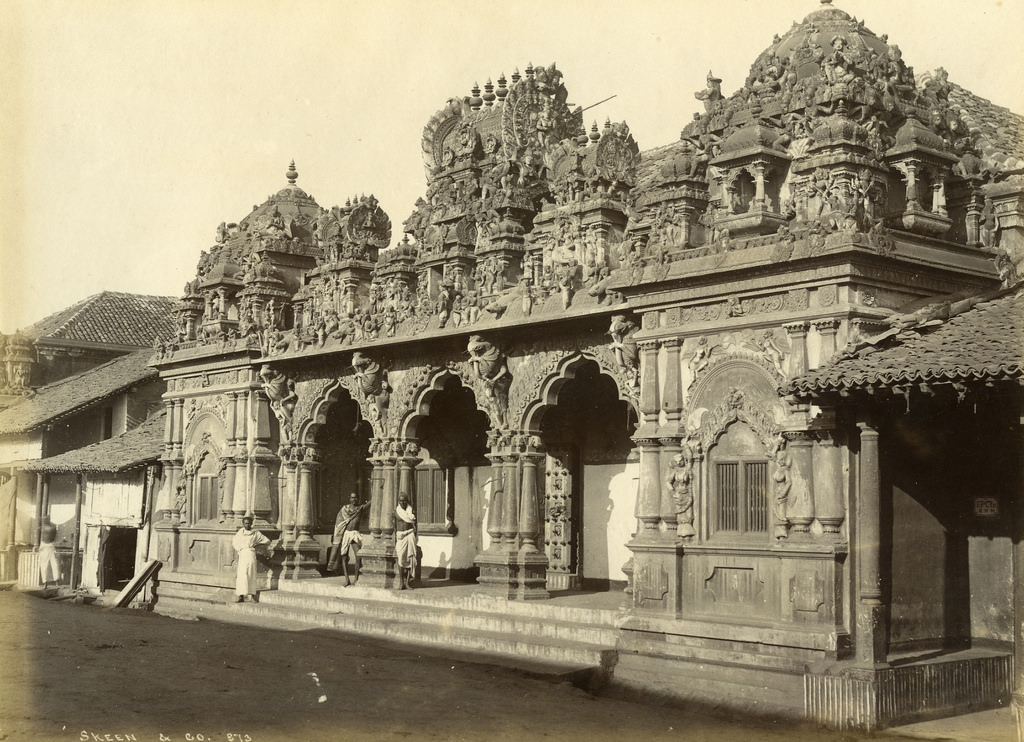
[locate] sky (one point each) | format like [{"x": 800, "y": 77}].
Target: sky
[{"x": 130, "y": 129}]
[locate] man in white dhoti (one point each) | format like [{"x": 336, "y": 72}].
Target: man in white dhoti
[
  {"x": 347, "y": 539},
  {"x": 247, "y": 542},
  {"x": 405, "y": 541},
  {"x": 49, "y": 567}
]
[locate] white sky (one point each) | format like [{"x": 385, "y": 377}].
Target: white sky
[{"x": 129, "y": 130}]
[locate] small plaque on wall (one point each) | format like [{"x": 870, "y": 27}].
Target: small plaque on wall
[{"x": 986, "y": 507}]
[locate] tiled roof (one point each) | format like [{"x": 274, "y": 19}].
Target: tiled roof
[
  {"x": 140, "y": 445},
  {"x": 110, "y": 318},
  {"x": 69, "y": 395},
  {"x": 985, "y": 342},
  {"x": 997, "y": 132}
]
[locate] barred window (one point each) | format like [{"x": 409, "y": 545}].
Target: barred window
[
  {"x": 206, "y": 502},
  {"x": 740, "y": 497}
]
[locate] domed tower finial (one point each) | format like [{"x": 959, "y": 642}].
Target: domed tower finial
[
  {"x": 826, "y": 2},
  {"x": 292, "y": 174}
]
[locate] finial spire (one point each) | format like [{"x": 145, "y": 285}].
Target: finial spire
[{"x": 292, "y": 174}]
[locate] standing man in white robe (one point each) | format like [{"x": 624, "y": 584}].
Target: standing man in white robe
[
  {"x": 49, "y": 567},
  {"x": 347, "y": 539},
  {"x": 247, "y": 542},
  {"x": 405, "y": 541}
]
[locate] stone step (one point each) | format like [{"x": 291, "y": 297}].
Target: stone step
[
  {"x": 698, "y": 649},
  {"x": 189, "y": 591},
  {"x": 716, "y": 688},
  {"x": 530, "y": 652},
  {"x": 450, "y": 617},
  {"x": 465, "y": 598}
]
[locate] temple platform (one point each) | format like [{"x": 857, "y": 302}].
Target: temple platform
[{"x": 578, "y": 636}]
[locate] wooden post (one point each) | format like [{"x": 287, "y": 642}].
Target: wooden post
[
  {"x": 75, "y": 570},
  {"x": 39, "y": 509},
  {"x": 1017, "y": 539}
]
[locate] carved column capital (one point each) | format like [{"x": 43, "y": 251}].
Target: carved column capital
[
  {"x": 648, "y": 442},
  {"x": 795, "y": 329},
  {"x": 826, "y": 325}
]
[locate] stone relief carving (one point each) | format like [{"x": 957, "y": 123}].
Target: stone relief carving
[
  {"x": 624, "y": 347},
  {"x": 373, "y": 388},
  {"x": 490, "y": 367},
  {"x": 280, "y": 390},
  {"x": 680, "y": 483},
  {"x": 781, "y": 485}
]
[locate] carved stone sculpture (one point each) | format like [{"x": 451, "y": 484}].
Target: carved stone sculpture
[
  {"x": 780, "y": 492},
  {"x": 280, "y": 390},
  {"x": 491, "y": 367},
  {"x": 680, "y": 484},
  {"x": 373, "y": 386},
  {"x": 624, "y": 347}
]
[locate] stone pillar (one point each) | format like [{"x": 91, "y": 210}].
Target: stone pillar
[
  {"x": 973, "y": 221},
  {"x": 289, "y": 497},
  {"x": 243, "y": 466},
  {"x": 648, "y": 500},
  {"x": 378, "y": 556},
  {"x": 510, "y": 507},
  {"x": 303, "y": 559},
  {"x": 389, "y": 496},
  {"x": 797, "y": 332},
  {"x": 377, "y": 447},
  {"x": 872, "y": 613},
  {"x": 827, "y": 329},
  {"x": 829, "y": 487},
  {"x": 505, "y": 571},
  {"x": 178, "y": 442},
  {"x": 230, "y": 463},
  {"x": 532, "y": 563},
  {"x": 407, "y": 463},
  {"x": 497, "y": 501},
  {"x": 263, "y": 459},
  {"x": 800, "y": 508},
  {"x": 759, "y": 172},
  {"x": 672, "y": 405},
  {"x": 304, "y": 503},
  {"x": 529, "y": 509}
]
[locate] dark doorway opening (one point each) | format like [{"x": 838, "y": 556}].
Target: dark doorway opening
[{"x": 119, "y": 557}]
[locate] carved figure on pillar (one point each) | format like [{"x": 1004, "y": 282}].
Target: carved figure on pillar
[
  {"x": 373, "y": 386},
  {"x": 780, "y": 491},
  {"x": 624, "y": 347},
  {"x": 491, "y": 367},
  {"x": 680, "y": 484},
  {"x": 280, "y": 390}
]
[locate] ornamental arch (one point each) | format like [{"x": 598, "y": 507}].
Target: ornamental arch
[{"x": 585, "y": 425}]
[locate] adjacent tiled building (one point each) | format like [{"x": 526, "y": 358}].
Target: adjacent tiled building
[{"x": 67, "y": 415}]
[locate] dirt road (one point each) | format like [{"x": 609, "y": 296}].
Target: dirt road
[{"x": 74, "y": 672}]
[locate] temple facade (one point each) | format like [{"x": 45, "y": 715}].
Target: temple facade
[{"x": 573, "y": 361}]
